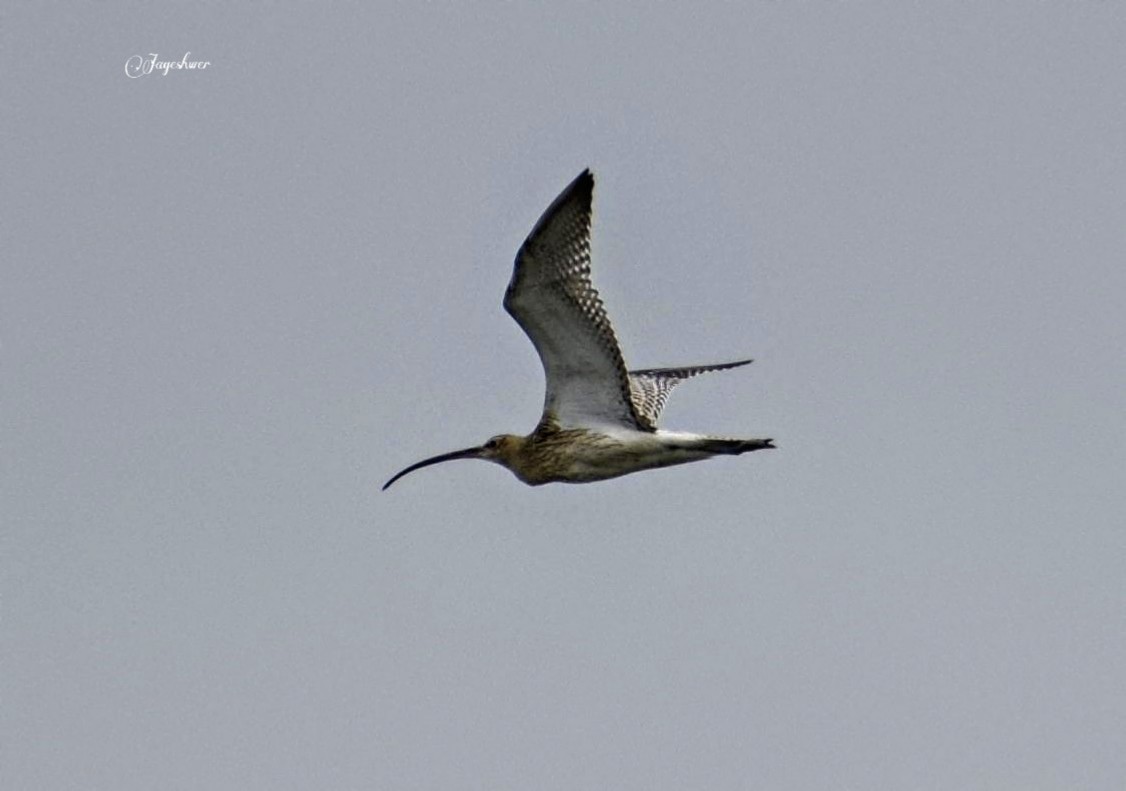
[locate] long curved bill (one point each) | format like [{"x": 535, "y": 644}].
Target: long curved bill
[{"x": 468, "y": 453}]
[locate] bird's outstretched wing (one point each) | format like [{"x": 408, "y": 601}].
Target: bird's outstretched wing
[
  {"x": 552, "y": 298},
  {"x": 650, "y": 388}
]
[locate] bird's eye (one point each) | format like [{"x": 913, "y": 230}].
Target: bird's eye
[{"x": 491, "y": 443}]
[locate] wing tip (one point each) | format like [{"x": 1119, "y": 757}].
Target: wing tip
[
  {"x": 584, "y": 181},
  {"x": 579, "y": 192},
  {"x": 688, "y": 371}
]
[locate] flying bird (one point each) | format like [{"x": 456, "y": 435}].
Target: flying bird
[{"x": 599, "y": 419}]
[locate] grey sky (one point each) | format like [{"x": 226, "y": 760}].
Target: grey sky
[{"x": 237, "y": 300}]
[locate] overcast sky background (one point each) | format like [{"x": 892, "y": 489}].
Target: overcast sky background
[{"x": 235, "y": 301}]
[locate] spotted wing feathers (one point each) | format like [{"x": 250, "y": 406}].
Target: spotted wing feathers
[
  {"x": 649, "y": 389},
  {"x": 552, "y": 298}
]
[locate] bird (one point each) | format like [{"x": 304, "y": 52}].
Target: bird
[{"x": 599, "y": 419}]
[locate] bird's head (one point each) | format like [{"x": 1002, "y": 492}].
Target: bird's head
[{"x": 501, "y": 449}]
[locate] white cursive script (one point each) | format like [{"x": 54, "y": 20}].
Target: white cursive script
[{"x": 138, "y": 66}]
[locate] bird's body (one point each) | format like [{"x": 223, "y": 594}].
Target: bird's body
[
  {"x": 599, "y": 420},
  {"x": 582, "y": 455}
]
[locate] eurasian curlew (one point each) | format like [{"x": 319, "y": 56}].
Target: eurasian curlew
[{"x": 599, "y": 420}]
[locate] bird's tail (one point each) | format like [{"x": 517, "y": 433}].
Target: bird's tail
[{"x": 733, "y": 447}]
